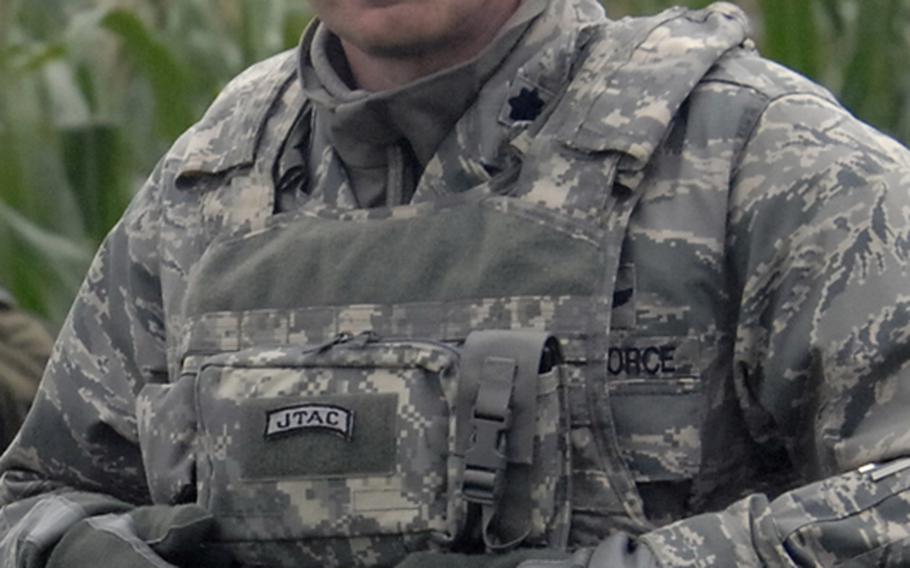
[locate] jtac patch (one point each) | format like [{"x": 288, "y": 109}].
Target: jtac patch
[
  {"x": 304, "y": 438},
  {"x": 310, "y": 417}
]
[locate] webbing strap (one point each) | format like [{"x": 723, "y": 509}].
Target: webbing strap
[
  {"x": 485, "y": 459},
  {"x": 496, "y": 416}
]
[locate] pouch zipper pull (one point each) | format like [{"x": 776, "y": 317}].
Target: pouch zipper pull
[
  {"x": 879, "y": 471},
  {"x": 340, "y": 338},
  {"x": 363, "y": 338},
  {"x": 348, "y": 338}
]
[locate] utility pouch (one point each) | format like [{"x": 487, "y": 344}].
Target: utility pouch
[
  {"x": 510, "y": 433},
  {"x": 351, "y": 453}
]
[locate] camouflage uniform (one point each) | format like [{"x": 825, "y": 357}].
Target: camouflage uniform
[
  {"x": 24, "y": 348},
  {"x": 721, "y": 249}
]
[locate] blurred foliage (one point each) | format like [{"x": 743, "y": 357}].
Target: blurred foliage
[{"x": 92, "y": 92}]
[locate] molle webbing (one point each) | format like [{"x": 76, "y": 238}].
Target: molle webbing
[
  {"x": 455, "y": 254},
  {"x": 443, "y": 321}
]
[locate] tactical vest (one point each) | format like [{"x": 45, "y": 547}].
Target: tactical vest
[{"x": 356, "y": 385}]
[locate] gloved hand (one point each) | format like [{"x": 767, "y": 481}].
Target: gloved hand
[
  {"x": 507, "y": 560},
  {"x": 146, "y": 537},
  {"x": 617, "y": 551}
]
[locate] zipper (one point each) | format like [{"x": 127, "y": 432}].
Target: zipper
[
  {"x": 361, "y": 340},
  {"x": 339, "y": 339},
  {"x": 370, "y": 337},
  {"x": 879, "y": 471}
]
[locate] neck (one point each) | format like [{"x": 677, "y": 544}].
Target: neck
[{"x": 387, "y": 70}]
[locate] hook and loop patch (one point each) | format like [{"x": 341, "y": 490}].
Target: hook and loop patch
[{"x": 311, "y": 417}]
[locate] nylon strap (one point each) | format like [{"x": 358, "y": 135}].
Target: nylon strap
[{"x": 496, "y": 417}]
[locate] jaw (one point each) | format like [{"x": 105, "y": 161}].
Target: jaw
[{"x": 402, "y": 40}]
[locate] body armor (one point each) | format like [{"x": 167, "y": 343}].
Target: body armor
[{"x": 369, "y": 319}]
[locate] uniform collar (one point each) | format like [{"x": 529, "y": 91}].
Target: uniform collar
[
  {"x": 658, "y": 60},
  {"x": 360, "y": 124}
]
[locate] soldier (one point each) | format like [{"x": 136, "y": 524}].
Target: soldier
[
  {"x": 317, "y": 336},
  {"x": 24, "y": 348}
]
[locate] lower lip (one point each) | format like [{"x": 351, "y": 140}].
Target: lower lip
[{"x": 382, "y": 3}]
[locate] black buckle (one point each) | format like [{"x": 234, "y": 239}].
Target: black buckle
[{"x": 485, "y": 460}]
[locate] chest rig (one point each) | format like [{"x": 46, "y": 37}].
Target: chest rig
[{"x": 364, "y": 383}]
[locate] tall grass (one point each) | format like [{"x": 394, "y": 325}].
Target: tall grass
[{"x": 93, "y": 91}]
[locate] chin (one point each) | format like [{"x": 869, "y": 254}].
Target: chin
[{"x": 397, "y": 43}]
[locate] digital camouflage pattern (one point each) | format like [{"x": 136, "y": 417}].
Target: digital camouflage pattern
[
  {"x": 738, "y": 363},
  {"x": 380, "y": 485},
  {"x": 365, "y": 491},
  {"x": 25, "y": 346}
]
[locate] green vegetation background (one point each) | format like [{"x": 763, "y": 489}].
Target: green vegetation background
[{"x": 92, "y": 92}]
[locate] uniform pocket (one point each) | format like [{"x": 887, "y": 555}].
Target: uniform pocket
[{"x": 658, "y": 426}]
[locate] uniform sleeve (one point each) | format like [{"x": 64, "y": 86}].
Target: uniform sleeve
[
  {"x": 77, "y": 453},
  {"x": 819, "y": 239}
]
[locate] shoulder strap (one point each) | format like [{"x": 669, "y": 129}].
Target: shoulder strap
[
  {"x": 238, "y": 142},
  {"x": 634, "y": 77},
  {"x": 229, "y": 135}
]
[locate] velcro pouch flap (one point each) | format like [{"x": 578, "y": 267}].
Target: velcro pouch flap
[{"x": 310, "y": 453}]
